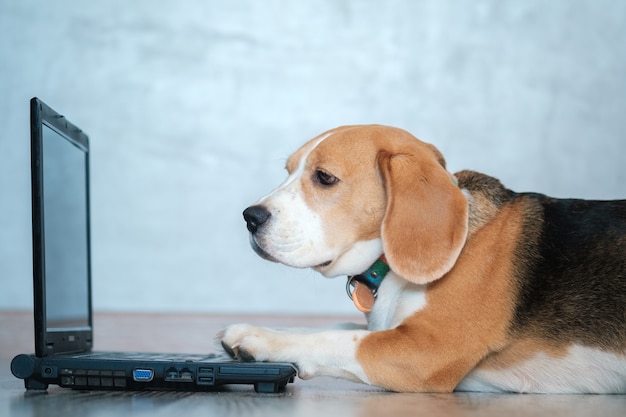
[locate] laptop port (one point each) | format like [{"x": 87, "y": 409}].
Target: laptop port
[
  {"x": 205, "y": 380},
  {"x": 143, "y": 375},
  {"x": 176, "y": 374},
  {"x": 186, "y": 375}
]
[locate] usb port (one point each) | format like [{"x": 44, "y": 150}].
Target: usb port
[
  {"x": 143, "y": 375},
  {"x": 205, "y": 380}
]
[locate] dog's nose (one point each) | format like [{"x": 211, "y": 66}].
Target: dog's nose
[{"x": 255, "y": 216}]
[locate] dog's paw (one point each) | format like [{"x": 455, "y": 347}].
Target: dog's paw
[{"x": 248, "y": 343}]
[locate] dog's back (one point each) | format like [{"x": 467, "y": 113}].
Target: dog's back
[
  {"x": 570, "y": 274},
  {"x": 574, "y": 286}
]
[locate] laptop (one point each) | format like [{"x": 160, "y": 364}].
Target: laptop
[{"x": 62, "y": 289}]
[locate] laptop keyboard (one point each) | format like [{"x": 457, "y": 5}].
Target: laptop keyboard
[{"x": 149, "y": 356}]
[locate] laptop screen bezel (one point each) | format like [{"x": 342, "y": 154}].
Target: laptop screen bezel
[{"x": 54, "y": 341}]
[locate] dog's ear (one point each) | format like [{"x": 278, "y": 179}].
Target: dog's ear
[{"x": 425, "y": 222}]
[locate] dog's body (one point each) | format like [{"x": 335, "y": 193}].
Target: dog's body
[{"x": 488, "y": 289}]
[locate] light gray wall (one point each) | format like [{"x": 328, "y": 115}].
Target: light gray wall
[{"x": 193, "y": 106}]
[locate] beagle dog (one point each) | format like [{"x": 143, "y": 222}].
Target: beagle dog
[{"x": 465, "y": 285}]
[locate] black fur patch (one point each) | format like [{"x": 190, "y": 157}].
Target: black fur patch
[{"x": 571, "y": 270}]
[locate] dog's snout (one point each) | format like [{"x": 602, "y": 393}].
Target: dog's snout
[{"x": 255, "y": 216}]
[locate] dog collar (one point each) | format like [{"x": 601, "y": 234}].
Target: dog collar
[{"x": 366, "y": 285}]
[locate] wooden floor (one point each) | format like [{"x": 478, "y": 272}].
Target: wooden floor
[{"x": 318, "y": 397}]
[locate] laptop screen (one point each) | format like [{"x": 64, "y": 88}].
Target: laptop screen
[
  {"x": 60, "y": 164},
  {"x": 65, "y": 231}
]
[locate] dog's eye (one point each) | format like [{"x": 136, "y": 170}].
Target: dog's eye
[{"x": 325, "y": 178}]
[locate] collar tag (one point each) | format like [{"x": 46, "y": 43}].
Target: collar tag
[
  {"x": 366, "y": 285},
  {"x": 363, "y": 297}
]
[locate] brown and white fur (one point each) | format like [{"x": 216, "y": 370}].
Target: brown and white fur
[{"x": 489, "y": 290}]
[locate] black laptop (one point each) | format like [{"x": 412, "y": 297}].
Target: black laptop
[{"x": 62, "y": 289}]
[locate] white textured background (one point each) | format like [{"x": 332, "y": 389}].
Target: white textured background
[{"x": 193, "y": 106}]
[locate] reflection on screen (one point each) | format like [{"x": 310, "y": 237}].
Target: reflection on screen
[{"x": 65, "y": 232}]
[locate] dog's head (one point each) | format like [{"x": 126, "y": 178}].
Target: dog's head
[{"x": 356, "y": 192}]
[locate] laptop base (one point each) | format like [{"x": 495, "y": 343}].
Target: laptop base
[{"x": 125, "y": 375}]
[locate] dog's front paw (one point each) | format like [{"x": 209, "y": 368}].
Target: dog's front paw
[{"x": 248, "y": 343}]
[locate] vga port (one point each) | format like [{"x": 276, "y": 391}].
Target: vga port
[{"x": 143, "y": 375}]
